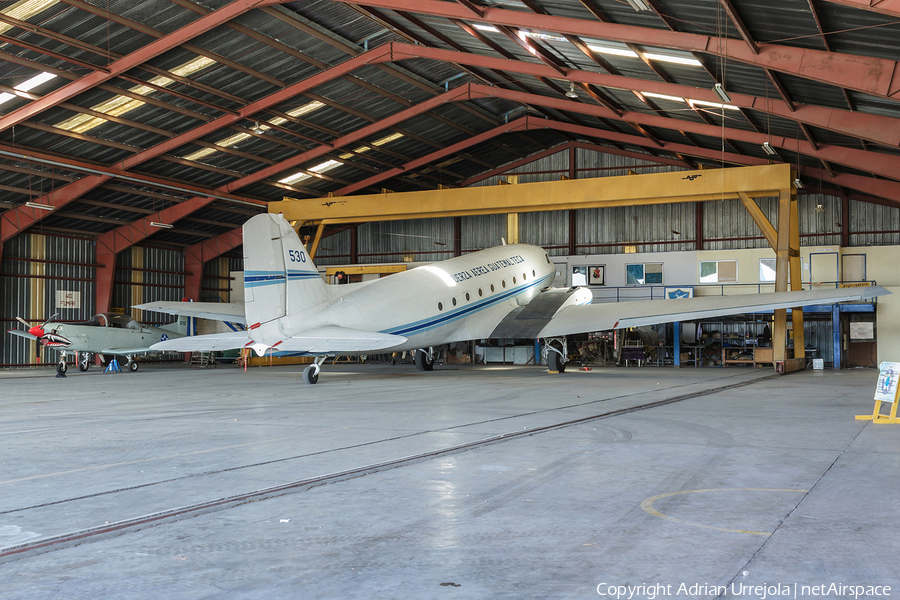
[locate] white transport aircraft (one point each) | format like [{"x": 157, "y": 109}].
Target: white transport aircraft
[{"x": 501, "y": 292}]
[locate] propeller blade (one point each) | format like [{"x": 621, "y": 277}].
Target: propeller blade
[
  {"x": 23, "y": 322},
  {"x": 50, "y": 319}
]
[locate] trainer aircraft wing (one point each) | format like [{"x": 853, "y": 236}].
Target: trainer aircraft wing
[
  {"x": 218, "y": 311},
  {"x": 23, "y": 334},
  {"x": 601, "y": 317},
  {"x": 319, "y": 340},
  {"x": 125, "y": 351}
]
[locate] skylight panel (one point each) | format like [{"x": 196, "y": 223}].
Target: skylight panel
[
  {"x": 30, "y": 84},
  {"x": 24, "y": 10},
  {"x": 320, "y": 168},
  {"x": 663, "y": 97},
  {"x": 485, "y": 27},
  {"x": 27, "y": 85},
  {"x": 119, "y": 105},
  {"x": 680, "y": 60},
  {"x": 613, "y": 50}
]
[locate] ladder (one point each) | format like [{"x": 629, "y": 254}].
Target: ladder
[{"x": 202, "y": 359}]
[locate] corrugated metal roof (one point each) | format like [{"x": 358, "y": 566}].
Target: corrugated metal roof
[{"x": 325, "y": 33}]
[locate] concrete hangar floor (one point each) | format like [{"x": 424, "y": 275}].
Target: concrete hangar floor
[{"x": 478, "y": 482}]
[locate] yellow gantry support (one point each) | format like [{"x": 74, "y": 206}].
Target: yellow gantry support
[{"x": 703, "y": 185}]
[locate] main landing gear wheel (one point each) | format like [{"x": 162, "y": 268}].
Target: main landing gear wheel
[
  {"x": 311, "y": 374},
  {"x": 555, "y": 361},
  {"x": 424, "y": 360},
  {"x": 132, "y": 366},
  {"x": 84, "y": 361},
  {"x": 61, "y": 369}
]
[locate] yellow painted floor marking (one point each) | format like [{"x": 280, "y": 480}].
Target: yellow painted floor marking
[{"x": 647, "y": 505}]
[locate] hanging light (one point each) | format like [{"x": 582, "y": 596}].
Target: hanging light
[
  {"x": 768, "y": 149},
  {"x": 40, "y": 206},
  {"x": 572, "y": 93},
  {"x": 161, "y": 225},
  {"x": 721, "y": 93}
]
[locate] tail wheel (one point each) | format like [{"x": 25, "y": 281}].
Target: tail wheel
[
  {"x": 555, "y": 361},
  {"x": 424, "y": 362},
  {"x": 311, "y": 374}
]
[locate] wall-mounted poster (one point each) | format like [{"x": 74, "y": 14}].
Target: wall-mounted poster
[
  {"x": 679, "y": 292},
  {"x": 597, "y": 275}
]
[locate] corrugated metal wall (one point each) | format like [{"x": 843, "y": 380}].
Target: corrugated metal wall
[
  {"x": 870, "y": 220},
  {"x": 335, "y": 250},
  {"x": 59, "y": 264},
  {"x": 406, "y": 241},
  {"x": 605, "y": 230}
]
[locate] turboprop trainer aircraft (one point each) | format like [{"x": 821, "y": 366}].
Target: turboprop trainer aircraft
[
  {"x": 502, "y": 292},
  {"x": 104, "y": 334}
]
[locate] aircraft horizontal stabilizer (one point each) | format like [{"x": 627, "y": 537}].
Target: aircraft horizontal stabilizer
[
  {"x": 620, "y": 315},
  {"x": 335, "y": 340},
  {"x": 205, "y": 343},
  {"x": 23, "y": 334},
  {"x": 217, "y": 311},
  {"x": 321, "y": 340}
]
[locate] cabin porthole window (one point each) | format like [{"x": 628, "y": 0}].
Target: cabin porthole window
[
  {"x": 454, "y": 302},
  {"x": 492, "y": 287},
  {"x": 467, "y": 296},
  {"x": 480, "y": 293},
  {"x": 440, "y": 306},
  {"x": 503, "y": 283}
]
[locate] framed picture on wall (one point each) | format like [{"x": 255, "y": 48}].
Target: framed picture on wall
[{"x": 597, "y": 275}]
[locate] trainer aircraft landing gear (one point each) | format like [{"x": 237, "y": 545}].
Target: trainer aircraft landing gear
[
  {"x": 131, "y": 365},
  {"x": 311, "y": 373},
  {"x": 425, "y": 359},
  {"x": 84, "y": 361}
]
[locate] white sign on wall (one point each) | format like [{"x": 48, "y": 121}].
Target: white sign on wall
[{"x": 68, "y": 299}]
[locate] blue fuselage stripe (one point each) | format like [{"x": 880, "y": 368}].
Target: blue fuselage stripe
[{"x": 432, "y": 322}]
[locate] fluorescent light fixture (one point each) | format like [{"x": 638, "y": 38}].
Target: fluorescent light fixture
[
  {"x": 613, "y": 51},
  {"x": 161, "y": 225},
  {"x": 258, "y": 130},
  {"x": 721, "y": 93},
  {"x": 537, "y": 35},
  {"x": 663, "y": 97},
  {"x": 768, "y": 149},
  {"x": 638, "y": 5},
  {"x": 712, "y": 104},
  {"x": 484, "y": 27},
  {"x": 6, "y": 97},
  {"x": 798, "y": 184},
  {"x": 40, "y": 206},
  {"x": 572, "y": 93},
  {"x": 679, "y": 60}
]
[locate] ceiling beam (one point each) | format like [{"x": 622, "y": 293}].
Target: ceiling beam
[
  {"x": 130, "y": 61},
  {"x": 876, "y": 76}
]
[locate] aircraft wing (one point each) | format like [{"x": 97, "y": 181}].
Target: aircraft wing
[
  {"x": 23, "y": 334},
  {"x": 125, "y": 351},
  {"x": 218, "y": 311},
  {"x": 319, "y": 340},
  {"x": 619, "y": 315}
]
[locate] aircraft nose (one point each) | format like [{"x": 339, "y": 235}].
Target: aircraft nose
[{"x": 36, "y": 331}]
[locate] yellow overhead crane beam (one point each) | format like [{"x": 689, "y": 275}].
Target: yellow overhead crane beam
[{"x": 743, "y": 183}]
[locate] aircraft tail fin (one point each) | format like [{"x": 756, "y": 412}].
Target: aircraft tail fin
[
  {"x": 179, "y": 326},
  {"x": 279, "y": 276}
]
